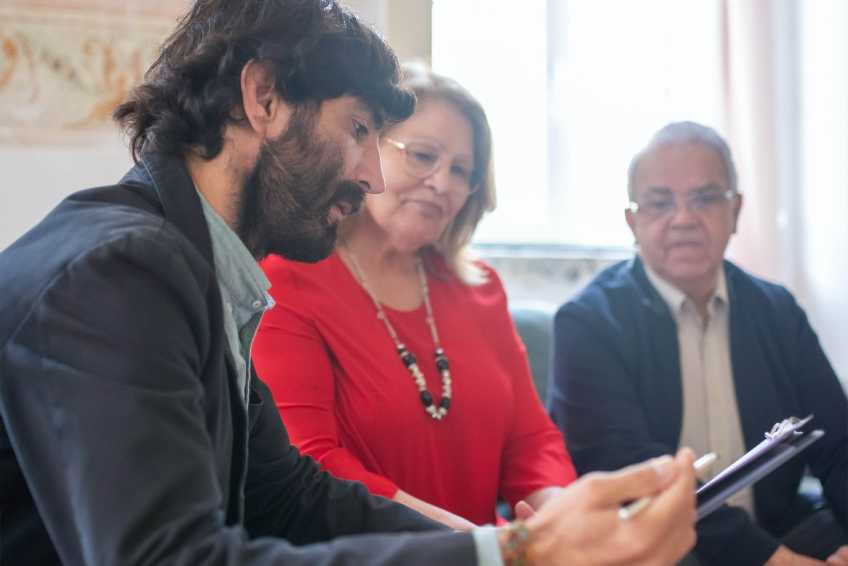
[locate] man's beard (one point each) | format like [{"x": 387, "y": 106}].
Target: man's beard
[{"x": 286, "y": 201}]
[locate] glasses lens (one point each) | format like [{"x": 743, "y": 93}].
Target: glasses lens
[
  {"x": 657, "y": 207},
  {"x": 703, "y": 201},
  {"x": 706, "y": 200},
  {"x": 422, "y": 159}
]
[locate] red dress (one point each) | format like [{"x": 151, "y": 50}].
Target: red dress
[{"x": 348, "y": 401}]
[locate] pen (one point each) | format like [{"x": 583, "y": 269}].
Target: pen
[{"x": 631, "y": 509}]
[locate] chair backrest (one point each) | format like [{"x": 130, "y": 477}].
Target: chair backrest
[{"x": 534, "y": 323}]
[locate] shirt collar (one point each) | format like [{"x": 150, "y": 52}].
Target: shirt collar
[
  {"x": 237, "y": 270},
  {"x": 675, "y": 298}
]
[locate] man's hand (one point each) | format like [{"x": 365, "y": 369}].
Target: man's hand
[{"x": 581, "y": 524}]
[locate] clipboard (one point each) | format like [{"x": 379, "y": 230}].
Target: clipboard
[{"x": 784, "y": 441}]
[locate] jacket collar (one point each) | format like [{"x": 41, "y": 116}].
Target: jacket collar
[
  {"x": 652, "y": 299},
  {"x": 168, "y": 177},
  {"x": 666, "y": 403},
  {"x": 675, "y": 298}
]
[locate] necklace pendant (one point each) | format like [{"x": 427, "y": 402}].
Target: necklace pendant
[{"x": 436, "y": 414}]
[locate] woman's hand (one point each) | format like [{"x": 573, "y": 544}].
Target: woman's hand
[
  {"x": 438, "y": 514},
  {"x": 523, "y": 510},
  {"x": 840, "y": 557},
  {"x": 785, "y": 557}
]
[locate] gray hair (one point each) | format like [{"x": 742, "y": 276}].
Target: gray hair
[{"x": 679, "y": 133}]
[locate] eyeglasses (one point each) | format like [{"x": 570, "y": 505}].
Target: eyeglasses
[
  {"x": 423, "y": 159},
  {"x": 662, "y": 206}
]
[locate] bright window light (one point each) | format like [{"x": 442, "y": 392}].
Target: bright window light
[{"x": 572, "y": 89}]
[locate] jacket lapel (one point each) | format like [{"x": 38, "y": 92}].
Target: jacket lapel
[
  {"x": 753, "y": 395},
  {"x": 168, "y": 177},
  {"x": 175, "y": 190},
  {"x": 662, "y": 355}
]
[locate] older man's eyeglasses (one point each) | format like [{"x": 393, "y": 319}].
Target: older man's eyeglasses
[
  {"x": 665, "y": 205},
  {"x": 423, "y": 159}
]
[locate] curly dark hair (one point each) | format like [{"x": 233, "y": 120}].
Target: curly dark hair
[{"x": 317, "y": 49}]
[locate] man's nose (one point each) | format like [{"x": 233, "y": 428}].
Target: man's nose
[
  {"x": 369, "y": 174},
  {"x": 683, "y": 213}
]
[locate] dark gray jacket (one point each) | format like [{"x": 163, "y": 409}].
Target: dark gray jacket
[{"x": 124, "y": 438}]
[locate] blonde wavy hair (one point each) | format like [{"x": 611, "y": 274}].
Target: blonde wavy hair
[{"x": 454, "y": 242}]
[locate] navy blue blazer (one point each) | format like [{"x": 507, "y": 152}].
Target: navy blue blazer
[
  {"x": 616, "y": 394},
  {"x": 124, "y": 436}
]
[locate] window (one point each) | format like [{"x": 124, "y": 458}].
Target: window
[{"x": 573, "y": 88}]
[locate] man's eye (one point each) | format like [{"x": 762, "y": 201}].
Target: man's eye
[
  {"x": 360, "y": 130},
  {"x": 704, "y": 200},
  {"x": 659, "y": 205}
]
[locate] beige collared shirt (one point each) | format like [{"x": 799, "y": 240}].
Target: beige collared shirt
[{"x": 710, "y": 412}]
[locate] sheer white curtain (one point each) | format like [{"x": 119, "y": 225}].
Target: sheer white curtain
[
  {"x": 760, "y": 51},
  {"x": 823, "y": 201},
  {"x": 786, "y": 78}
]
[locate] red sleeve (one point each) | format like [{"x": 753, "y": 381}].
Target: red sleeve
[
  {"x": 292, "y": 359},
  {"x": 534, "y": 456}
]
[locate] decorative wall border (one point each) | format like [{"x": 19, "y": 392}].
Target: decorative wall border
[{"x": 65, "y": 65}]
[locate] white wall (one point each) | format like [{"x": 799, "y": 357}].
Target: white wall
[
  {"x": 405, "y": 24},
  {"x": 69, "y": 63},
  {"x": 34, "y": 179}
]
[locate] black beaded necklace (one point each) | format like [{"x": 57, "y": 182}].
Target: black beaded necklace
[{"x": 436, "y": 412}]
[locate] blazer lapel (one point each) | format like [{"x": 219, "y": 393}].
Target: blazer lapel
[
  {"x": 168, "y": 176},
  {"x": 176, "y": 191},
  {"x": 181, "y": 204},
  {"x": 754, "y": 396},
  {"x": 661, "y": 359}
]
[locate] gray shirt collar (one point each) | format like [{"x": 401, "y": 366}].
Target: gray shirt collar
[{"x": 238, "y": 273}]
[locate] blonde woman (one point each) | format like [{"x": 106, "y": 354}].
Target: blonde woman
[{"x": 395, "y": 361}]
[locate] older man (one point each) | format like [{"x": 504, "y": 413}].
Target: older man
[{"x": 681, "y": 347}]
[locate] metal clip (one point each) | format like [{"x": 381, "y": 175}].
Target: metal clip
[{"x": 788, "y": 427}]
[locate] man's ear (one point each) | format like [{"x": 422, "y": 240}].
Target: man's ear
[
  {"x": 631, "y": 221},
  {"x": 737, "y": 207},
  {"x": 264, "y": 110}
]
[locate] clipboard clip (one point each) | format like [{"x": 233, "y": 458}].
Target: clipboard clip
[{"x": 790, "y": 427}]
